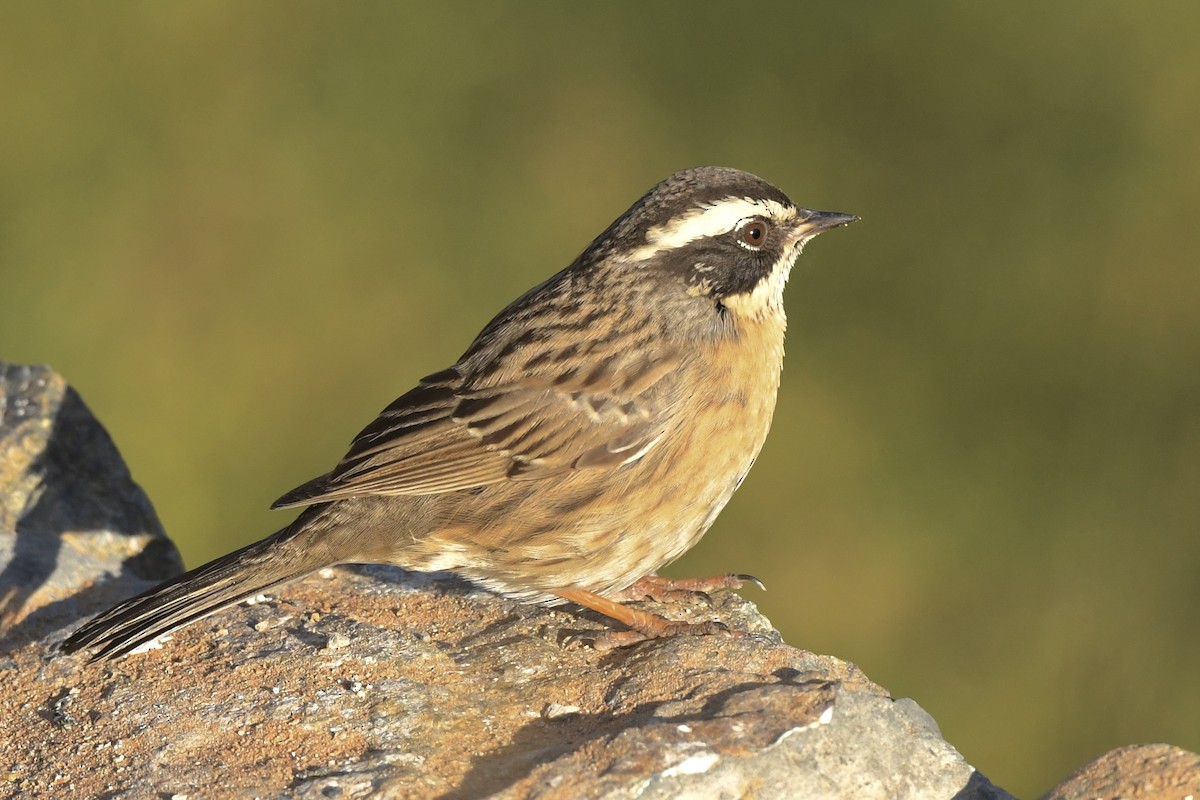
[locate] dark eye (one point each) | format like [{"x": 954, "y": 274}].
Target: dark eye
[{"x": 752, "y": 233}]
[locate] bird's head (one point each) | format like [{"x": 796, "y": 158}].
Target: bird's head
[{"x": 724, "y": 234}]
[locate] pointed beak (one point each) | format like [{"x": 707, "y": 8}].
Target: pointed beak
[{"x": 810, "y": 223}]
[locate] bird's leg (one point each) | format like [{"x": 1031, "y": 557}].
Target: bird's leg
[
  {"x": 667, "y": 590},
  {"x": 642, "y": 625}
]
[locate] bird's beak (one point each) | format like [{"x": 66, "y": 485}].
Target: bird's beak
[{"x": 810, "y": 223}]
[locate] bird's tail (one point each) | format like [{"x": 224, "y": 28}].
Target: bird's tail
[{"x": 194, "y": 595}]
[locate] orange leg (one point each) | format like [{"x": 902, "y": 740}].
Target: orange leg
[{"x": 642, "y": 625}]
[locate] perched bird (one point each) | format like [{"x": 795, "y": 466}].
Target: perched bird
[{"x": 589, "y": 435}]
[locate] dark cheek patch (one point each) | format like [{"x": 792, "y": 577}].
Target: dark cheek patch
[
  {"x": 735, "y": 270},
  {"x": 745, "y": 273},
  {"x": 720, "y": 268}
]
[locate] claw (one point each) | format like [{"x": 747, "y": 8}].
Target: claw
[{"x": 741, "y": 576}]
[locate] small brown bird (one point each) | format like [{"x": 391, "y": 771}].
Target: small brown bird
[{"x": 590, "y": 434}]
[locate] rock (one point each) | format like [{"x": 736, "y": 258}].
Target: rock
[
  {"x": 370, "y": 681},
  {"x": 75, "y": 532},
  {"x": 374, "y": 682},
  {"x": 1139, "y": 772}
]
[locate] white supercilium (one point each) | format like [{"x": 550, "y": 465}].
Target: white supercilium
[{"x": 708, "y": 221}]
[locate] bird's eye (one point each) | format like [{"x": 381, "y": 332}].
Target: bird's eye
[{"x": 752, "y": 233}]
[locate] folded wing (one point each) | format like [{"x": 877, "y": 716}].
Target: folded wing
[{"x": 447, "y": 435}]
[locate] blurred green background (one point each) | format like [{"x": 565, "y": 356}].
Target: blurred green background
[{"x": 242, "y": 229}]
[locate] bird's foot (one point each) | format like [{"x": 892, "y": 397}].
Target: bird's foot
[
  {"x": 672, "y": 590},
  {"x": 642, "y": 624}
]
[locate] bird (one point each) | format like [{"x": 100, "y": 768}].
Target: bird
[{"x": 588, "y": 436}]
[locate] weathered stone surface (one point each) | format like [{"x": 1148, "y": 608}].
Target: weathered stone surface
[
  {"x": 1138, "y": 772},
  {"x": 75, "y": 532},
  {"x": 371, "y": 682}
]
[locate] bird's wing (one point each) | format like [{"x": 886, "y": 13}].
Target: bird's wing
[{"x": 447, "y": 434}]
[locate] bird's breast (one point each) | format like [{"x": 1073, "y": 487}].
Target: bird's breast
[{"x": 721, "y": 425}]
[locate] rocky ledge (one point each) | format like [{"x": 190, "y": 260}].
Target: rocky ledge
[{"x": 369, "y": 681}]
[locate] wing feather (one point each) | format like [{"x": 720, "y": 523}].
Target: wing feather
[{"x": 447, "y": 435}]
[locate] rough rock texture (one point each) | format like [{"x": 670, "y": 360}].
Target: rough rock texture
[
  {"x": 75, "y": 532},
  {"x": 369, "y": 681},
  {"x": 373, "y": 682},
  {"x": 1138, "y": 772}
]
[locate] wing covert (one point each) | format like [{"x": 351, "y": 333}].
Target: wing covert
[{"x": 445, "y": 435}]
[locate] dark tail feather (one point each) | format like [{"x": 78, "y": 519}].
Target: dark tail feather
[{"x": 193, "y": 595}]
